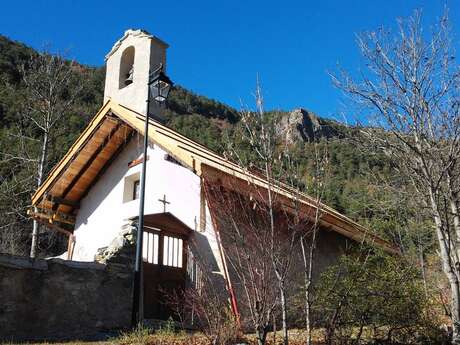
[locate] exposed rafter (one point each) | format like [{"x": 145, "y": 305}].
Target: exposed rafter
[
  {"x": 108, "y": 163},
  {"x": 51, "y": 216},
  {"x": 61, "y": 201},
  {"x": 89, "y": 162},
  {"x": 59, "y": 169}
]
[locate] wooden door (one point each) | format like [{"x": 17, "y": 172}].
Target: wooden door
[{"x": 164, "y": 271}]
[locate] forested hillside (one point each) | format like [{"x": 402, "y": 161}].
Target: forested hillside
[
  {"x": 399, "y": 179},
  {"x": 351, "y": 188}
]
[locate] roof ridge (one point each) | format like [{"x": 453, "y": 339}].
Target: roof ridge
[{"x": 137, "y": 33}]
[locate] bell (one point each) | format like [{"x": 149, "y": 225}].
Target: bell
[{"x": 129, "y": 77}]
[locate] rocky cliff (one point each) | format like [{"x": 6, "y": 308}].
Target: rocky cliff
[{"x": 304, "y": 125}]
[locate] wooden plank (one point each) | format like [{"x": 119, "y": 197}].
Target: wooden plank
[
  {"x": 52, "y": 226},
  {"x": 70, "y": 246},
  {"x": 85, "y": 185},
  {"x": 59, "y": 200},
  {"x": 138, "y": 123},
  {"x": 89, "y": 161},
  {"x": 79, "y": 143},
  {"x": 108, "y": 163},
  {"x": 137, "y": 161},
  {"x": 51, "y": 216}
]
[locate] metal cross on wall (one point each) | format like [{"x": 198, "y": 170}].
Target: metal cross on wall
[{"x": 164, "y": 202}]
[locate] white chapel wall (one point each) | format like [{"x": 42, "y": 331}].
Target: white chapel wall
[{"x": 103, "y": 211}]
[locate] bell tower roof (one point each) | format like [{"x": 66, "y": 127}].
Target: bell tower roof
[
  {"x": 140, "y": 33},
  {"x": 128, "y": 67}
]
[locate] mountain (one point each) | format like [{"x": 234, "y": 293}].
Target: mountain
[
  {"x": 303, "y": 125},
  {"x": 194, "y": 115},
  {"x": 350, "y": 189}
]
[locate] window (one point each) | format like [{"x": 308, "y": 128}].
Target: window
[
  {"x": 136, "y": 189},
  {"x": 172, "y": 251},
  {"x": 131, "y": 188},
  {"x": 153, "y": 244},
  {"x": 150, "y": 247}
]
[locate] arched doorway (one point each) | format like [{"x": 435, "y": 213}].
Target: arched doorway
[{"x": 165, "y": 247}]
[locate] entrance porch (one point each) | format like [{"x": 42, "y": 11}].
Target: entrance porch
[{"x": 164, "y": 253}]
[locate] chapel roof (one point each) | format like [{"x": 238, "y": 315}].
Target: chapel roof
[{"x": 58, "y": 198}]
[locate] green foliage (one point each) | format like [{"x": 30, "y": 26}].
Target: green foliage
[
  {"x": 167, "y": 328},
  {"x": 12, "y": 55},
  {"x": 184, "y": 102},
  {"x": 200, "y": 128},
  {"x": 196, "y": 116},
  {"x": 350, "y": 188},
  {"x": 379, "y": 297},
  {"x": 383, "y": 293}
]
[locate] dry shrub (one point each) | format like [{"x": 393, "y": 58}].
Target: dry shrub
[
  {"x": 177, "y": 339},
  {"x": 139, "y": 335},
  {"x": 381, "y": 300},
  {"x": 205, "y": 307}
]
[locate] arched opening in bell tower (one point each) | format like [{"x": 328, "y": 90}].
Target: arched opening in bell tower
[{"x": 126, "y": 76}]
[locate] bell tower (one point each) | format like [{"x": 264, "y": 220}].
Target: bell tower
[{"x": 128, "y": 66}]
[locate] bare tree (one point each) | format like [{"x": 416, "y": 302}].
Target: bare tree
[
  {"x": 203, "y": 304},
  {"x": 275, "y": 231},
  {"x": 309, "y": 231},
  {"x": 411, "y": 86},
  {"x": 51, "y": 90},
  {"x": 15, "y": 181},
  {"x": 243, "y": 232}
]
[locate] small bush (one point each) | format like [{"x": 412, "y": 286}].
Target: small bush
[
  {"x": 379, "y": 300},
  {"x": 168, "y": 328},
  {"x": 138, "y": 336}
]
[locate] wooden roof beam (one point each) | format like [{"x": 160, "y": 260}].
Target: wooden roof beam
[
  {"x": 109, "y": 162},
  {"x": 61, "y": 201},
  {"x": 74, "y": 150},
  {"x": 53, "y": 226},
  {"x": 89, "y": 162},
  {"x": 51, "y": 216}
]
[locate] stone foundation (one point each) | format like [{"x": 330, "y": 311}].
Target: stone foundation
[{"x": 60, "y": 299}]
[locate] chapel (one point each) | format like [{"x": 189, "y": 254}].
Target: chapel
[{"x": 94, "y": 190}]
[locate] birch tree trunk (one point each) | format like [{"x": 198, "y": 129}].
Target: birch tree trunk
[
  {"x": 40, "y": 172},
  {"x": 261, "y": 335},
  {"x": 308, "y": 264},
  {"x": 283, "y": 302},
  {"x": 423, "y": 269},
  {"x": 450, "y": 268},
  {"x": 51, "y": 91}
]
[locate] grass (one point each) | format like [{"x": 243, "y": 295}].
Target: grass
[
  {"x": 144, "y": 336},
  {"x": 167, "y": 335}
]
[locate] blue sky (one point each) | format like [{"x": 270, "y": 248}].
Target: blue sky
[{"x": 218, "y": 47}]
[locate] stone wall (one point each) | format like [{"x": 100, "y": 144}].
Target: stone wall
[{"x": 60, "y": 299}]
